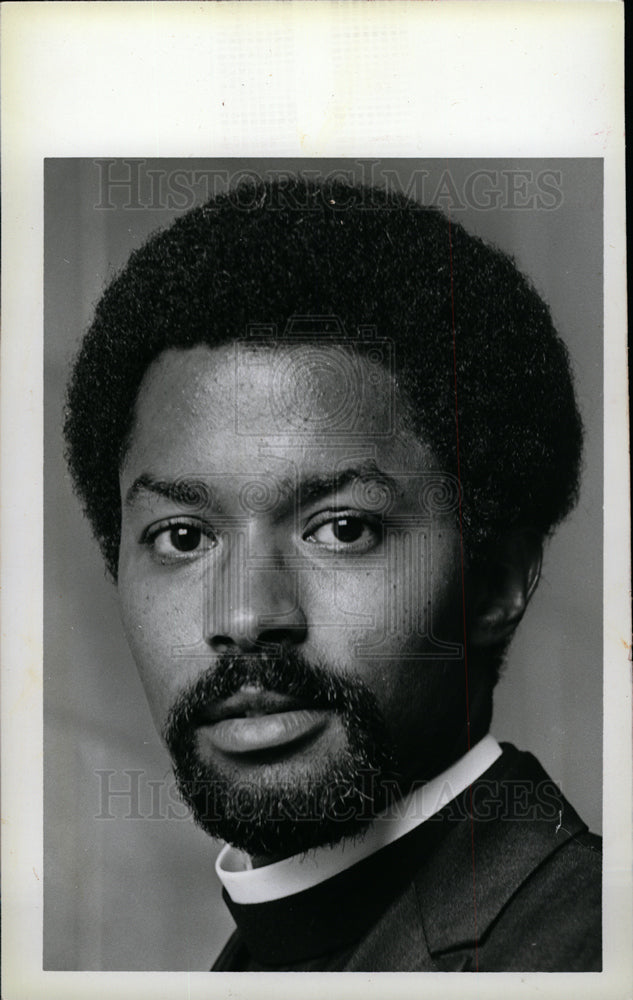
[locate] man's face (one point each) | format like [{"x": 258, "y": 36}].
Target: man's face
[{"x": 289, "y": 584}]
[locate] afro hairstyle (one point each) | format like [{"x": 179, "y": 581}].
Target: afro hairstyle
[{"x": 484, "y": 375}]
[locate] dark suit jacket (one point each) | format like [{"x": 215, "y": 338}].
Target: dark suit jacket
[{"x": 504, "y": 878}]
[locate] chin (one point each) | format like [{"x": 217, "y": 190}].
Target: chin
[{"x": 289, "y": 809}]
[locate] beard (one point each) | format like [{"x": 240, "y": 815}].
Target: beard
[{"x": 280, "y": 814}]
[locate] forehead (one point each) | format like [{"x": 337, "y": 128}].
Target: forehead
[{"x": 237, "y": 407}]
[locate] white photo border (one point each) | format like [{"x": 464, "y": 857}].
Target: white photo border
[{"x": 328, "y": 79}]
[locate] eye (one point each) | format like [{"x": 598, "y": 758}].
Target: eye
[
  {"x": 346, "y": 532},
  {"x": 178, "y": 539}
]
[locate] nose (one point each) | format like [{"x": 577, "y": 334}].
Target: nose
[{"x": 253, "y": 605}]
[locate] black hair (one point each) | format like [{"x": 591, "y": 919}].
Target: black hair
[{"x": 477, "y": 358}]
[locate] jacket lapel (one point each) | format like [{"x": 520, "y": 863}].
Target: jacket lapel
[{"x": 497, "y": 833}]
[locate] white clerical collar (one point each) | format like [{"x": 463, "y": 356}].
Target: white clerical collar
[{"x": 246, "y": 884}]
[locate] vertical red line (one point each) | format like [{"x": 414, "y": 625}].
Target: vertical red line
[{"x": 461, "y": 547}]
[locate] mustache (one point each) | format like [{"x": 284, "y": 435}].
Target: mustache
[
  {"x": 286, "y": 672},
  {"x": 288, "y": 814}
]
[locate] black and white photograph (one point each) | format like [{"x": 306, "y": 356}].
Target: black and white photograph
[
  {"x": 336, "y": 429},
  {"x": 316, "y": 642}
]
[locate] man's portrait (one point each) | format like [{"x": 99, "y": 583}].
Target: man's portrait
[{"x": 323, "y": 575}]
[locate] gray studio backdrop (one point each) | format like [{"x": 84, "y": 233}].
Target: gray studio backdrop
[{"x": 129, "y": 881}]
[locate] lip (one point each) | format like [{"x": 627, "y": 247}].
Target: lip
[
  {"x": 250, "y": 701},
  {"x": 254, "y": 719},
  {"x": 253, "y": 733}
]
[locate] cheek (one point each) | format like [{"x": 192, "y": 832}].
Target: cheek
[
  {"x": 410, "y": 600},
  {"x": 343, "y": 597},
  {"x": 159, "y": 628}
]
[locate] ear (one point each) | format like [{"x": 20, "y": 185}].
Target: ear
[{"x": 500, "y": 588}]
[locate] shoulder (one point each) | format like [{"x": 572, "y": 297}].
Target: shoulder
[
  {"x": 553, "y": 922},
  {"x": 524, "y": 888}
]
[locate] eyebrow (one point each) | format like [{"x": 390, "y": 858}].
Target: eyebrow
[
  {"x": 314, "y": 487},
  {"x": 185, "y": 491},
  {"x": 197, "y": 494}
]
